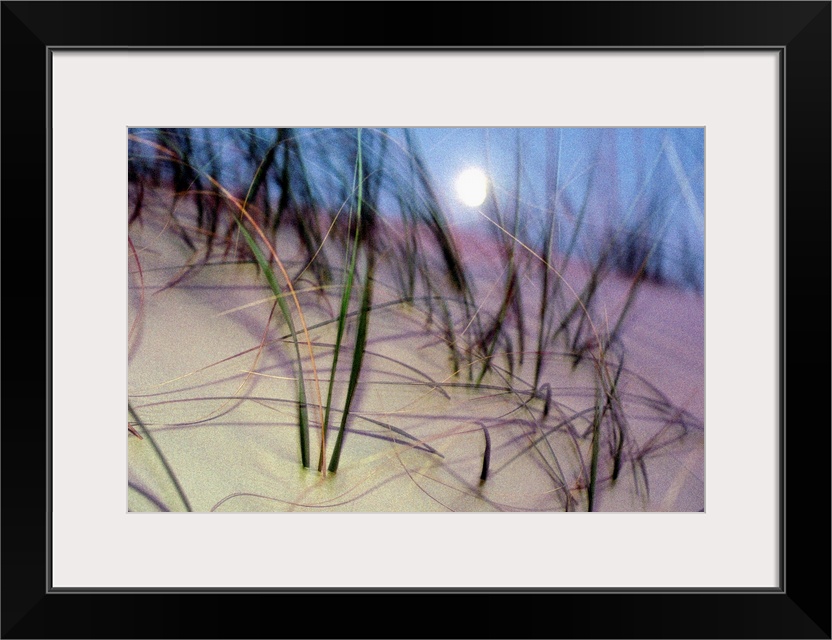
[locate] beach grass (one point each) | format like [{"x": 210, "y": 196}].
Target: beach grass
[{"x": 485, "y": 373}]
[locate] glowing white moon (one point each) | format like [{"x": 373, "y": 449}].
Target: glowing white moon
[{"x": 471, "y": 187}]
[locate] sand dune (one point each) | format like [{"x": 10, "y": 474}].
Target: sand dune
[{"x": 214, "y": 383}]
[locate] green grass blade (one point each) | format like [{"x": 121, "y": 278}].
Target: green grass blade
[
  {"x": 618, "y": 421},
  {"x": 420, "y": 443},
  {"x": 363, "y": 317},
  {"x": 486, "y": 456},
  {"x": 303, "y": 416},
  {"x": 358, "y": 357},
  {"x": 345, "y": 301},
  {"x": 596, "y": 445},
  {"x": 162, "y": 457}
]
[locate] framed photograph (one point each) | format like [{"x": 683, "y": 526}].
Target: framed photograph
[{"x": 490, "y": 303}]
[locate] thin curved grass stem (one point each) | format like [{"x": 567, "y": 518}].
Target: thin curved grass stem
[
  {"x": 162, "y": 458},
  {"x": 140, "y": 310}
]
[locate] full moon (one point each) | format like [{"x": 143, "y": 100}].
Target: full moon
[{"x": 471, "y": 187}]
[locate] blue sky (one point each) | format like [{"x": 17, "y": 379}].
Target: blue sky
[
  {"x": 616, "y": 176},
  {"x": 635, "y": 162}
]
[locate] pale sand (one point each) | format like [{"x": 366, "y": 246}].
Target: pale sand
[{"x": 231, "y": 435}]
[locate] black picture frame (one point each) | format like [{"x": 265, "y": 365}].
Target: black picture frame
[{"x": 798, "y": 608}]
